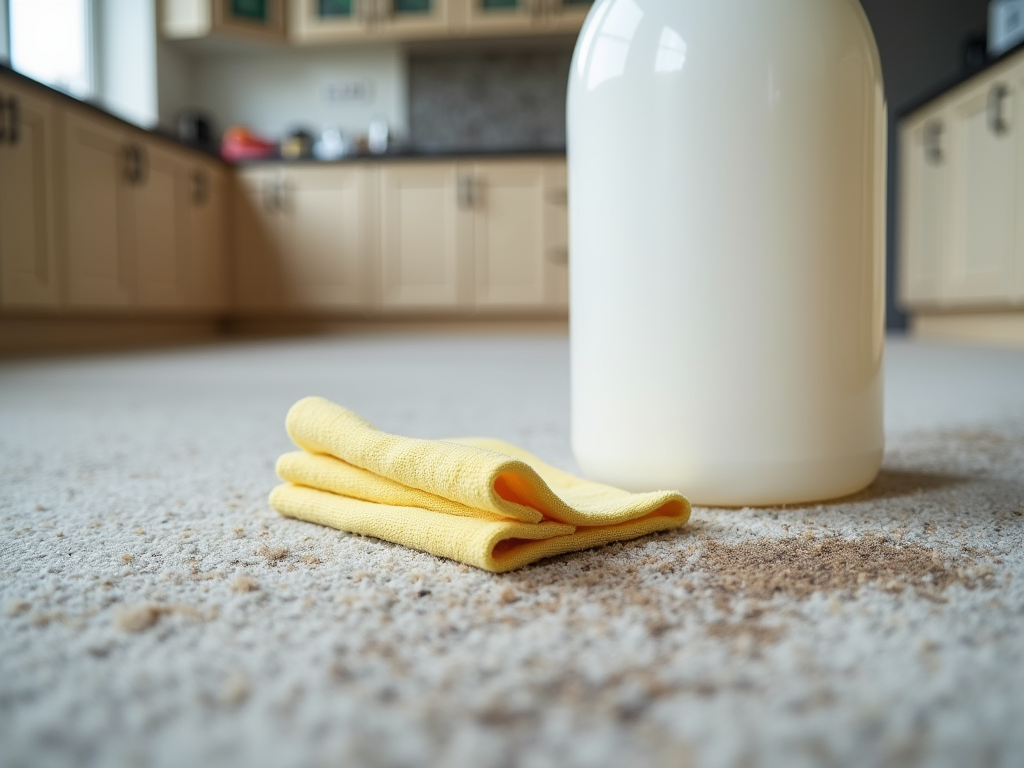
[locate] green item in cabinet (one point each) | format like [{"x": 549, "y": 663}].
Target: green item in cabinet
[
  {"x": 327, "y": 9},
  {"x": 255, "y": 10},
  {"x": 412, "y": 6},
  {"x": 497, "y": 5},
  {"x": 578, "y": 2}
]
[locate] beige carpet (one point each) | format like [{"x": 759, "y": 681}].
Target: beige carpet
[{"x": 155, "y": 612}]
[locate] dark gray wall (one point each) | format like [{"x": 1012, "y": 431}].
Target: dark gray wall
[{"x": 921, "y": 44}]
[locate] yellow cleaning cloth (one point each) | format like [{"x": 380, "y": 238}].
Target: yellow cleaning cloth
[{"x": 481, "y": 502}]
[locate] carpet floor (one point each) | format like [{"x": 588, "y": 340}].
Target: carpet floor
[{"x": 155, "y": 612}]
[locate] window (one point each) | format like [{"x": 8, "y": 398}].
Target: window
[{"x": 51, "y": 41}]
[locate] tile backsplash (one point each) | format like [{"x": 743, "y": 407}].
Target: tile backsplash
[{"x": 496, "y": 101}]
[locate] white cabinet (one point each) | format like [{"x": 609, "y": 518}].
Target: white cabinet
[
  {"x": 303, "y": 237},
  {"x": 28, "y": 262},
  {"x": 426, "y": 236}
]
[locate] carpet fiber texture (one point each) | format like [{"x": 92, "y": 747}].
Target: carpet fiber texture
[{"x": 155, "y": 612}]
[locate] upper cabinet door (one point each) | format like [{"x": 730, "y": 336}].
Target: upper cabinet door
[
  {"x": 501, "y": 16},
  {"x": 924, "y": 208},
  {"x": 315, "y": 21},
  {"x": 984, "y": 179},
  {"x": 257, "y": 19},
  {"x": 28, "y": 264},
  {"x": 566, "y": 15}
]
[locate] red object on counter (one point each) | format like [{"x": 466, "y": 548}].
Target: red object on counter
[{"x": 239, "y": 143}]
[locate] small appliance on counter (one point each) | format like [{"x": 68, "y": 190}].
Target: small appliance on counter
[
  {"x": 331, "y": 145},
  {"x": 240, "y": 143},
  {"x": 1005, "y": 25},
  {"x": 194, "y": 129},
  {"x": 297, "y": 146}
]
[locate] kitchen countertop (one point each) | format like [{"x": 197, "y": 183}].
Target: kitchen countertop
[{"x": 399, "y": 153}]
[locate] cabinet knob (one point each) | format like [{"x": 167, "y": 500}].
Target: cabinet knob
[
  {"x": 13, "y": 121},
  {"x": 200, "y": 188},
  {"x": 996, "y": 118},
  {"x": 467, "y": 192},
  {"x": 933, "y": 142},
  {"x": 558, "y": 255}
]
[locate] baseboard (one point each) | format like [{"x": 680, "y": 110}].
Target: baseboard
[
  {"x": 1001, "y": 328},
  {"x": 264, "y": 326},
  {"x": 40, "y": 334}
]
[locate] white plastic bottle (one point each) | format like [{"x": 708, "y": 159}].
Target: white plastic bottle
[{"x": 727, "y": 213}]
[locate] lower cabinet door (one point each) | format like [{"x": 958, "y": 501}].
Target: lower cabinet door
[
  {"x": 100, "y": 273},
  {"x": 159, "y": 226},
  {"x": 979, "y": 269},
  {"x": 328, "y": 221},
  {"x": 257, "y": 241},
  {"x": 207, "y": 263},
  {"x": 509, "y": 234},
  {"x": 28, "y": 263},
  {"x": 426, "y": 220}
]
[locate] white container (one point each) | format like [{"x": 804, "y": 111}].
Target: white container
[{"x": 727, "y": 214}]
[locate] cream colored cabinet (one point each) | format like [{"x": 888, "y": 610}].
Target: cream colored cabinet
[
  {"x": 323, "y": 21},
  {"x": 520, "y": 16},
  {"x": 100, "y": 272},
  {"x": 925, "y": 206},
  {"x": 304, "y": 238},
  {"x": 426, "y": 236},
  {"x": 520, "y": 234},
  {"x": 984, "y": 147},
  {"x": 259, "y": 20},
  {"x": 28, "y": 262},
  {"x": 961, "y": 204}
]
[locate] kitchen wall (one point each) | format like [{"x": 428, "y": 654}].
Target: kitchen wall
[
  {"x": 276, "y": 90},
  {"x": 125, "y": 64},
  {"x": 489, "y": 101}
]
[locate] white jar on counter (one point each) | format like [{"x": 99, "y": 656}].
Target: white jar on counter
[{"x": 727, "y": 224}]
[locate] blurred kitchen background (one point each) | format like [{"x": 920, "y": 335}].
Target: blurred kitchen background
[{"x": 390, "y": 160}]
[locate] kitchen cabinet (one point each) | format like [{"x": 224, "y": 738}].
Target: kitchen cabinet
[
  {"x": 391, "y": 236},
  {"x": 28, "y": 253},
  {"x": 520, "y": 234},
  {"x": 145, "y": 222},
  {"x": 304, "y": 236},
  {"x": 96, "y": 235},
  {"x": 208, "y": 240},
  {"x": 258, "y": 20},
  {"x": 426, "y": 217},
  {"x": 323, "y": 21},
  {"x": 962, "y": 196},
  {"x": 521, "y": 16}
]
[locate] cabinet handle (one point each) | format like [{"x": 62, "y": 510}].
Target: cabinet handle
[
  {"x": 559, "y": 255},
  {"x": 131, "y": 164},
  {"x": 933, "y": 142},
  {"x": 14, "y": 120},
  {"x": 996, "y": 120},
  {"x": 558, "y": 196},
  {"x": 200, "y": 188},
  {"x": 3, "y": 124},
  {"x": 466, "y": 192}
]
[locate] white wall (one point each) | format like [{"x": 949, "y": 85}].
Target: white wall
[
  {"x": 274, "y": 91},
  {"x": 5, "y": 40},
  {"x": 175, "y": 83},
  {"x": 126, "y": 66}
]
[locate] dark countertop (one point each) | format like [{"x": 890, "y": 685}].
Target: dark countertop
[
  {"x": 399, "y": 153},
  {"x": 956, "y": 81}
]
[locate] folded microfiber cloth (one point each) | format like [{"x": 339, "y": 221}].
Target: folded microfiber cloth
[{"x": 479, "y": 501}]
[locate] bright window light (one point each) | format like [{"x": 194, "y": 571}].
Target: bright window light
[{"x": 50, "y": 42}]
